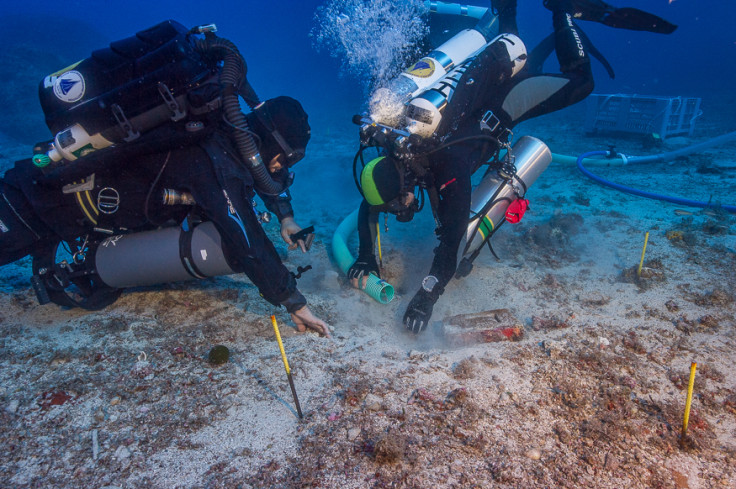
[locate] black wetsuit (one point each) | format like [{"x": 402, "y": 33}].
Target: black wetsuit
[
  {"x": 35, "y": 210},
  {"x": 512, "y": 100}
]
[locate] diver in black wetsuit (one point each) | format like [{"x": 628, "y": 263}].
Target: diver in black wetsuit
[
  {"x": 154, "y": 165},
  {"x": 36, "y": 212},
  {"x": 490, "y": 100}
]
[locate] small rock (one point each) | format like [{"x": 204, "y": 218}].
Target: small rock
[
  {"x": 603, "y": 342},
  {"x": 12, "y": 406},
  {"x": 389, "y": 449},
  {"x": 115, "y": 401},
  {"x": 416, "y": 355},
  {"x": 534, "y": 454},
  {"x": 554, "y": 348},
  {"x": 372, "y": 402},
  {"x": 353, "y": 433},
  {"x": 611, "y": 462},
  {"x": 122, "y": 453}
]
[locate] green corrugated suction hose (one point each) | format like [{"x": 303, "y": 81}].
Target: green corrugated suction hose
[{"x": 377, "y": 288}]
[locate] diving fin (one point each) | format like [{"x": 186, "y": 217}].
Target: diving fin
[
  {"x": 597, "y": 54},
  {"x": 621, "y": 18},
  {"x": 541, "y": 52}
]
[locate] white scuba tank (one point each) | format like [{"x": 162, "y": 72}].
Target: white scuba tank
[
  {"x": 74, "y": 142},
  {"x": 387, "y": 104},
  {"x": 424, "y": 112}
]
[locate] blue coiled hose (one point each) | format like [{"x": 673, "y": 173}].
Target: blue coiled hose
[{"x": 642, "y": 193}]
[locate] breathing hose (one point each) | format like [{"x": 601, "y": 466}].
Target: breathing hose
[{"x": 233, "y": 79}]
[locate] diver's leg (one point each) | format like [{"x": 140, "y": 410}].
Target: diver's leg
[
  {"x": 21, "y": 231},
  {"x": 621, "y": 18},
  {"x": 532, "y": 96},
  {"x": 506, "y": 12}
]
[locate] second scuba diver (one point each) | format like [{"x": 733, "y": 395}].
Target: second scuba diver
[{"x": 499, "y": 88}]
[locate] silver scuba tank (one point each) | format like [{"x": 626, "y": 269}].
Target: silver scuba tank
[
  {"x": 161, "y": 256},
  {"x": 495, "y": 192}
]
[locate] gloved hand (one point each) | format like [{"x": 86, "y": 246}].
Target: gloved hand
[
  {"x": 360, "y": 270},
  {"x": 419, "y": 311}
]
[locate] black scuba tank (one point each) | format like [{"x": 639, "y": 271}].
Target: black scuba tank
[{"x": 121, "y": 91}]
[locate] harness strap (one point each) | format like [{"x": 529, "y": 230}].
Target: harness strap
[
  {"x": 185, "y": 250},
  {"x": 7, "y": 201}
]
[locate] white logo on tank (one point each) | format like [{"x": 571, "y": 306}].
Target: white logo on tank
[{"x": 69, "y": 87}]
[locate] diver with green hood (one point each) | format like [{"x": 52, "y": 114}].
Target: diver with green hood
[{"x": 461, "y": 123}]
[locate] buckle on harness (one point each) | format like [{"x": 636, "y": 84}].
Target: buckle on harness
[
  {"x": 489, "y": 122},
  {"x": 178, "y": 112},
  {"x": 108, "y": 200},
  {"x": 124, "y": 123}
]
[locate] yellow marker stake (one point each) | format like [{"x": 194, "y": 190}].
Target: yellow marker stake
[
  {"x": 286, "y": 365},
  {"x": 378, "y": 242},
  {"x": 644, "y": 250},
  {"x": 690, "y": 385}
]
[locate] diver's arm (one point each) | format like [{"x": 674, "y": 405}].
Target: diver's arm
[
  {"x": 366, "y": 262},
  {"x": 367, "y": 220},
  {"x": 280, "y": 205},
  {"x": 452, "y": 213}
]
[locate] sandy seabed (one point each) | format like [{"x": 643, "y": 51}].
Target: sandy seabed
[{"x": 591, "y": 393}]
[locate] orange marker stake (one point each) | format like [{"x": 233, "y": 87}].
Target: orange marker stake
[{"x": 286, "y": 365}]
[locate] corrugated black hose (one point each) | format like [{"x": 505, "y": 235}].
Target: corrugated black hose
[{"x": 234, "y": 82}]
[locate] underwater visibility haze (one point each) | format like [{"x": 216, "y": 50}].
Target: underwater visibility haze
[
  {"x": 580, "y": 384},
  {"x": 279, "y": 41}
]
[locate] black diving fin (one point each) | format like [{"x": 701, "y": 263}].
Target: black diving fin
[
  {"x": 621, "y": 18},
  {"x": 541, "y": 52}
]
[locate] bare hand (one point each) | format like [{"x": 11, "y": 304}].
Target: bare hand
[
  {"x": 303, "y": 318},
  {"x": 289, "y": 227}
]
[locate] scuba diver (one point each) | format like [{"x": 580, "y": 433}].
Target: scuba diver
[
  {"x": 202, "y": 162},
  {"x": 460, "y": 123}
]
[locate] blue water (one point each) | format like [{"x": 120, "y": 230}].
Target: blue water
[
  {"x": 278, "y": 41},
  {"x": 697, "y": 60}
]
